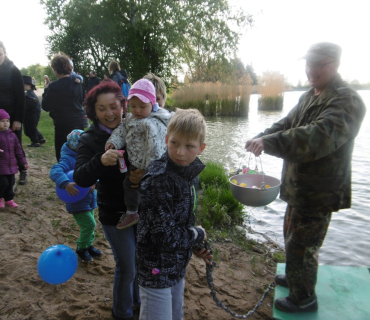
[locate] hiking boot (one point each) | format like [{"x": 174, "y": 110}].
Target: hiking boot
[
  {"x": 280, "y": 279},
  {"x": 94, "y": 252},
  {"x": 22, "y": 177},
  {"x": 2, "y": 205},
  {"x": 84, "y": 255},
  {"x": 288, "y": 305},
  {"x": 128, "y": 220},
  {"x": 42, "y": 141},
  {"x": 11, "y": 204},
  {"x": 35, "y": 145}
]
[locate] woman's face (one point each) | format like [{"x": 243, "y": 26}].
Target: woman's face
[
  {"x": 2, "y": 56},
  {"x": 108, "y": 110}
]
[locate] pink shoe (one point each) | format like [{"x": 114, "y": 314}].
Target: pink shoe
[
  {"x": 128, "y": 220},
  {"x": 2, "y": 205},
  {"x": 11, "y": 204}
]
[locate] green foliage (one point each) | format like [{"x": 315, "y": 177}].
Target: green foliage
[
  {"x": 270, "y": 103},
  {"x": 147, "y": 35},
  {"x": 217, "y": 206},
  {"x": 38, "y": 72}
]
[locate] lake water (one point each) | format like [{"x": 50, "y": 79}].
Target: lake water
[{"x": 348, "y": 238}]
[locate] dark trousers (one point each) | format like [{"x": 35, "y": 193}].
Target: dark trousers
[
  {"x": 131, "y": 195},
  {"x": 30, "y": 126},
  {"x": 61, "y": 133},
  {"x": 6, "y": 187},
  {"x": 304, "y": 234}
]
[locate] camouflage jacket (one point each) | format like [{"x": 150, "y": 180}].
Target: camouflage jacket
[{"x": 316, "y": 141}]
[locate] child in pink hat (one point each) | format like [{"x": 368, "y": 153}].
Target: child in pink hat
[
  {"x": 11, "y": 157},
  {"x": 143, "y": 133}
]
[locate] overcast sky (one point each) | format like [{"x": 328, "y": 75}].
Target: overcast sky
[{"x": 283, "y": 30}]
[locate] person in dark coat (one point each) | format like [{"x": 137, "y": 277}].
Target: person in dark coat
[
  {"x": 63, "y": 99},
  {"x": 316, "y": 141},
  {"x": 12, "y": 99},
  {"x": 11, "y": 157},
  {"x": 92, "y": 81},
  {"x": 33, "y": 111},
  {"x": 106, "y": 106}
]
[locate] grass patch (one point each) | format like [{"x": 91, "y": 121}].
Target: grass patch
[{"x": 218, "y": 208}]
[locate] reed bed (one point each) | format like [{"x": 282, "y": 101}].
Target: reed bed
[
  {"x": 271, "y": 89},
  {"x": 214, "y": 98}
]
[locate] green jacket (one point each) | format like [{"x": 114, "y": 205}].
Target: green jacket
[{"x": 316, "y": 141}]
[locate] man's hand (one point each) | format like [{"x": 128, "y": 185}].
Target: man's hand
[
  {"x": 16, "y": 126},
  {"x": 255, "y": 146}
]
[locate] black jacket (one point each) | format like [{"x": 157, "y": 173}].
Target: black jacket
[
  {"x": 167, "y": 215},
  {"x": 91, "y": 83},
  {"x": 63, "y": 99},
  {"x": 12, "y": 98},
  {"x": 89, "y": 170}
]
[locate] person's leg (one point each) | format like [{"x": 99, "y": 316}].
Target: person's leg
[
  {"x": 4, "y": 186},
  {"x": 122, "y": 243},
  {"x": 9, "y": 193},
  {"x": 87, "y": 224},
  {"x": 155, "y": 303},
  {"x": 177, "y": 292},
  {"x": 30, "y": 127},
  {"x": 304, "y": 234}
]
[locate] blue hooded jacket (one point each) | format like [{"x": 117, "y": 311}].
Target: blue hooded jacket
[{"x": 58, "y": 173}]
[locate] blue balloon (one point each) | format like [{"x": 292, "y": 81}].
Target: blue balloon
[
  {"x": 57, "y": 264},
  {"x": 63, "y": 194}
]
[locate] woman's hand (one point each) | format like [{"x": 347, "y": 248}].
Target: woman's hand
[
  {"x": 135, "y": 177},
  {"x": 16, "y": 126},
  {"x": 110, "y": 157}
]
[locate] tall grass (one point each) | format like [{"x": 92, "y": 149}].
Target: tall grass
[
  {"x": 271, "y": 89},
  {"x": 217, "y": 206},
  {"x": 213, "y": 98}
]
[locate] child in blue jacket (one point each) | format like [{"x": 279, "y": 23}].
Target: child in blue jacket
[{"x": 83, "y": 211}]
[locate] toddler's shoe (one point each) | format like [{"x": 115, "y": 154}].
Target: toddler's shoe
[
  {"x": 84, "y": 255},
  {"x": 96, "y": 253},
  {"x": 128, "y": 220},
  {"x": 11, "y": 204},
  {"x": 2, "y": 205}
]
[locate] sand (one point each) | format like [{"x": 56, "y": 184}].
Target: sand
[{"x": 41, "y": 221}]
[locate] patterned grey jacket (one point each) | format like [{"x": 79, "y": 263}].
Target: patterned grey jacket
[
  {"x": 166, "y": 233},
  {"x": 316, "y": 141},
  {"x": 144, "y": 138}
]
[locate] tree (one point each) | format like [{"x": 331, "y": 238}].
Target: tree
[
  {"x": 143, "y": 35},
  {"x": 250, "y": 70}
]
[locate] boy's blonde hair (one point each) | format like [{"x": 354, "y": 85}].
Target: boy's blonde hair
[
  {"x": 189, "y": 122},
  {"x": 158, "y": 84}
]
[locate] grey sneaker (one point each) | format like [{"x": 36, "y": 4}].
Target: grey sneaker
[{"x": 22, "y": 177}]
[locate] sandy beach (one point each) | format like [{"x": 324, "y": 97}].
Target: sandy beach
[{"x": 40, "y": 221}]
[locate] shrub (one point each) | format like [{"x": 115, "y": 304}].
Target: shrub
[{"x": 217, "y": 206}]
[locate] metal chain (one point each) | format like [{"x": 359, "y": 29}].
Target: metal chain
[{"x": 209, "y": 270}]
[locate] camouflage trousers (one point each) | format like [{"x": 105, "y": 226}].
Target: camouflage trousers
[{"x": 304, "y": 234}]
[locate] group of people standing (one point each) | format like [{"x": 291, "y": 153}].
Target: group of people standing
[{"x": 147, "y": 208}]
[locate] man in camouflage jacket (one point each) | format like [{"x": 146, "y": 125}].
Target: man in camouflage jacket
[{"x": 316, "y": 141}]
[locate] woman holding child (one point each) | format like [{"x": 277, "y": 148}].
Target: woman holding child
[{"x": 106, "y": 106}]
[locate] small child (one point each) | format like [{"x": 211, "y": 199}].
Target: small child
[
  {"x": 166, "y": 233},
  {"x": 160, "y": 88},
  {"x": 143, "y": 133},
  {"x": 32, "y": 114},
  {"x": 11, "y": 157},
  {"x": 83, "y": 210}
]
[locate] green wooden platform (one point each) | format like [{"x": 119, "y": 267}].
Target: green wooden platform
[{"x": 343, "y": 294}]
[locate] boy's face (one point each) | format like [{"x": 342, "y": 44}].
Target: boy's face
[
  {"x": 181, "y": 150},
  {"x": 140, "y": 109},
  {"x": 4, "y": 124},
  {"x": 160, "y": 99}
]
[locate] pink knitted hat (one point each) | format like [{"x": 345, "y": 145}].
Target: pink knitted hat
[
  {"x": 144, "y": 90},
  {"x": 4, "y": 114}
]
